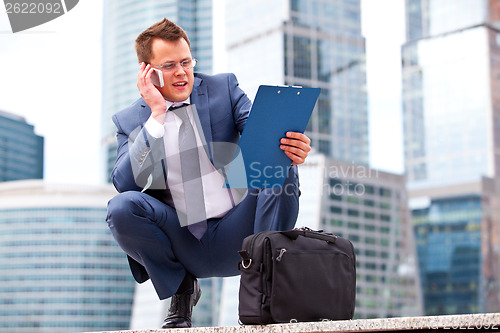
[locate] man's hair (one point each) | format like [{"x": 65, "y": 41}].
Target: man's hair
[{"x": 166, "y": 30}]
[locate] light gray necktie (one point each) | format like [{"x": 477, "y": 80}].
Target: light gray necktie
[{"x": 191, "y": 174}]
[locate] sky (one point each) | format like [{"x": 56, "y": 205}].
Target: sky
[{"x": 51, "y": 75}]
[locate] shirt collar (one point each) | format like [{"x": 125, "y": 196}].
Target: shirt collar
[{"x": 169, "y": 104}]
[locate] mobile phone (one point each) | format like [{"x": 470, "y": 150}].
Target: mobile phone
[{"x": 157, "y": 77}]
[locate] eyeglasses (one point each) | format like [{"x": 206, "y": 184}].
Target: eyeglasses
[{"x": 172, "y": 66}]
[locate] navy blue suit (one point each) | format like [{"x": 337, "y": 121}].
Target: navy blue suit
[{"x": 148, "y": 229}]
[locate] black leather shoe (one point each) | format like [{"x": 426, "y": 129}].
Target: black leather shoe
[{"x": 181, "y": 307}]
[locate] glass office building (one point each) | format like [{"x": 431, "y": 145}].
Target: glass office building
[
  {"x": 60, "y": 268},
  {"x": 21, "y": 150},
  {"x": 451, "y": 90},
  {"x": 318, "y": 43},
  {"x": 451, "y": 113},
  {"x": 313, "y": 43},
  {"x": 456, "y": 230},
  {"x": 448, "y": 235}
]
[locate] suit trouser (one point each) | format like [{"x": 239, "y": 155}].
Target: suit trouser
[{"x": 149, "y": 232}]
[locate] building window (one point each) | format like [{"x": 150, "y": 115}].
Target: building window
[
  {"x": 385, "y": 218},
  {"x": 353, "y": 238},
  {"x": 335, "y": 197},
  {"x": 385, "y": 205},
  {"x": 353, "y": 200},
  {"x": 370, "y": 253},
  {"x": 370, "y": 240},
  {"x": 302, "y": 57},
  {"x": 385, "y": 192},
  {"x": 353, "y": 225},
  {"x": 336, "y": 222},
  {"x": 369, "y": 203},
  {"x": 369, "y": 227},
  {"x": 369, "y": 189},
  {"x": 369, "y": 215},
  {"x": 324, "y": 147},
  {"x": 335, "y": 209},
  {"x": 352, "y": 212}
]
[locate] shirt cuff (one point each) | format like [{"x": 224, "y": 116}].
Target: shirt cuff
[{"x": 154, "y": 128}]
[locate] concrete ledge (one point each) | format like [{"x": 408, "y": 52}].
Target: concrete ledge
[{"x": 454, "y": 323}]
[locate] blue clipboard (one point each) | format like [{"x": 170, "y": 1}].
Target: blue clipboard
[{"x": 275, "y": 111}]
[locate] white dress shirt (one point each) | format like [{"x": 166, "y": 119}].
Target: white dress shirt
[{"x": 218, "y": 199}]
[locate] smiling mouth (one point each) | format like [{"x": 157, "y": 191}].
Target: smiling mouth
[{"x": 180, "y": 84}]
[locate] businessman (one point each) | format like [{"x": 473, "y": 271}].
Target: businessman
[{"x": 174, "y": 217}]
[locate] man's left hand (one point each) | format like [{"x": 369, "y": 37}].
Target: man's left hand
[{"x": 296, "y": 146}]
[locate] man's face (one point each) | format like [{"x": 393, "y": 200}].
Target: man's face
[{"x": 179, "y": 82}]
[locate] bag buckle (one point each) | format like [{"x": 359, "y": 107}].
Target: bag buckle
[{"x": 245, "y": 257}]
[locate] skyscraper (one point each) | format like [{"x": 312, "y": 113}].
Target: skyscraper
[
  {"x": 60, "y": 268},
  {"x": 318, "y": 43},
  {"x": 456, "y": 231},
  {"x": 451, "y": 91},
  {"x": 314, "y": 43},
  {"x": 21, "y": 150},
  {"x": 451, "y": 97}
]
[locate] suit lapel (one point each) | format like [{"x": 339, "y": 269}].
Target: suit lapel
[
  {"x": 199, "y": 97},
  {"x": 144, "y": 113}
]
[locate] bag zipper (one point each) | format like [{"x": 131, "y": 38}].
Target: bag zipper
[
  {"x": 254, "y": 239},
  {"x": 283, "y": 250},
  {"x": 280, "y": 255}
]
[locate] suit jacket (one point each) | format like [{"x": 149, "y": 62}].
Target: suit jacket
[{"x": 223, "y": 109}]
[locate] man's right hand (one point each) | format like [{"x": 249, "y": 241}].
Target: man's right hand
[{"x": 150, "y": 93}]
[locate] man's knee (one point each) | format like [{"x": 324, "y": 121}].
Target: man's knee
[
  {"x": 289, "y": 191},
  {"x": 123, "y": 207}
]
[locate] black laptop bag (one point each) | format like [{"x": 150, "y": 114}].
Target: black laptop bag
[{"x": 296, "y": 276}]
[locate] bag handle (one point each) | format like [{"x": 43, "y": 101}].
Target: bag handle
[{"x": 306, "y": 232}]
